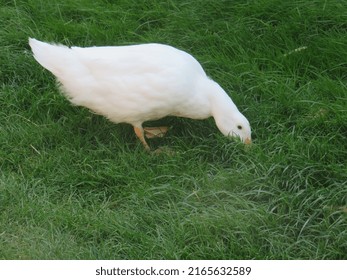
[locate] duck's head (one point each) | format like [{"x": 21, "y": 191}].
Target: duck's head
[
  {"x": 234, "y": 124},
  {"x": 228, "y": 118}
]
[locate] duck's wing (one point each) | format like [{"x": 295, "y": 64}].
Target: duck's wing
[
  {"x": 147, "y": 69},
  {"x": 144, "y": 59}
]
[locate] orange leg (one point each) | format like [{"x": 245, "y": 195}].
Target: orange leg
[{"x": 140, "y": 134}]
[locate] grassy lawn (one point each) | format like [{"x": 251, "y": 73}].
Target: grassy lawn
[{"x": 75, "y": 186}]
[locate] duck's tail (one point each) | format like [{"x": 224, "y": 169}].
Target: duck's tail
[{"x": 58, "y": 59}]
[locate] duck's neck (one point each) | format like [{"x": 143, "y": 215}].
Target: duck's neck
[
  {"x": 219, "y": 100},
  {"x": 222, "y": 107}
]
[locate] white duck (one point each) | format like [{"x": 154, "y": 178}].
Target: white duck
[{"x": 138, "y": 83}]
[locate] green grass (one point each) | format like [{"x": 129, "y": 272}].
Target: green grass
[{"x": 76, "y": 186}]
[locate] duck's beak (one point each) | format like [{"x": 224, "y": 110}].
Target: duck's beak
[{"x": 248, "y": 141}]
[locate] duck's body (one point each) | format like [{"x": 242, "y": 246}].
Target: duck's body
[{"x": 137, "y": 83}]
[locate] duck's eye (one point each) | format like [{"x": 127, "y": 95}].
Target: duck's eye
[{"x": 239, "y": 127}]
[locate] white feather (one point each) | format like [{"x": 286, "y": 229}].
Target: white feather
[{"x": 137, "y": 83}]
